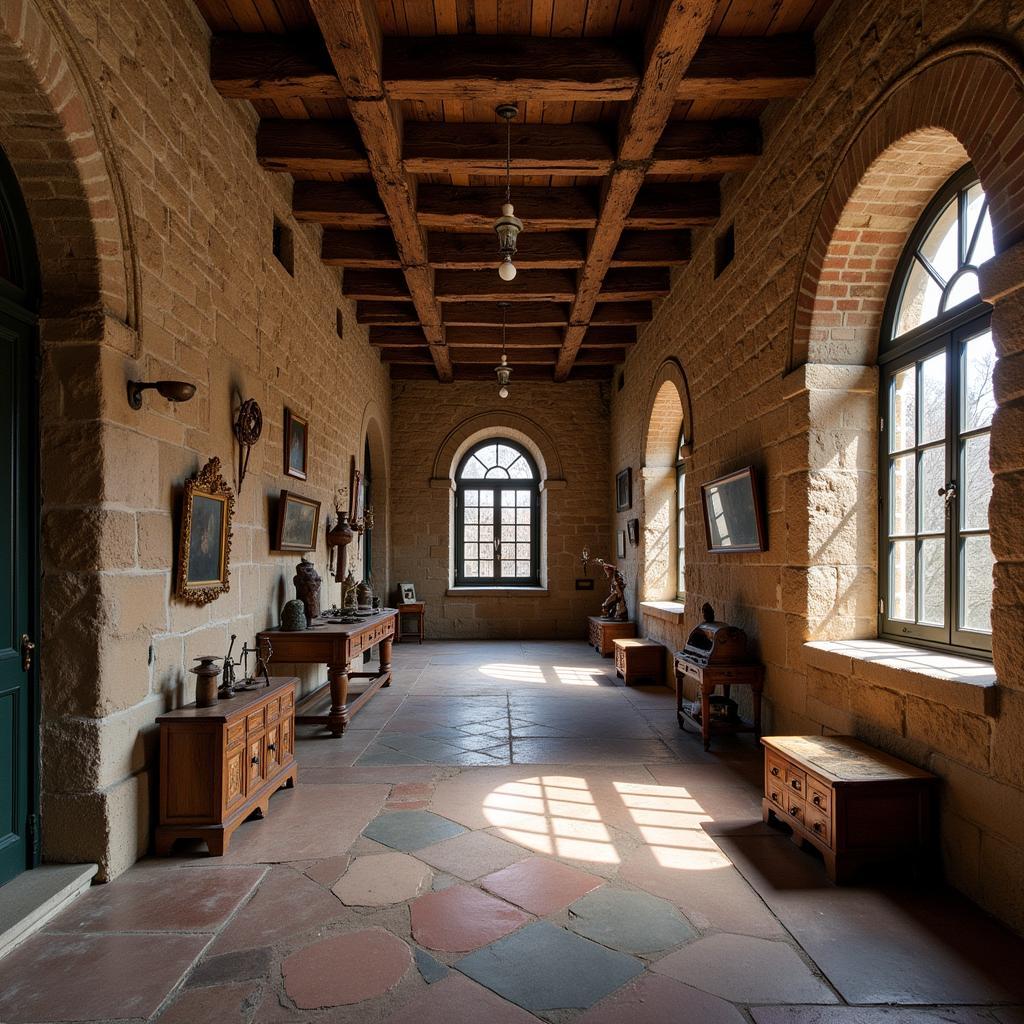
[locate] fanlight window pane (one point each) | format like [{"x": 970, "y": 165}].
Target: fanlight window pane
[
  {"x": 984, "y": 247},
  {"x": 474, "y": 469},
  {"x": 498, "y": 471},
  {"x": 941, "y": 245},
  {"x": 520, "y": 470},
  {"x": 920, "y": 302},
  {"x": 963, "y": 288}
]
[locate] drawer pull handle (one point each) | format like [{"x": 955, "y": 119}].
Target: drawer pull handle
[
  {"x": 818, "y": 827},
  {"x": 794, "y": 811},
  {"x": 255, "y": 758},
  {"x": 271, "y": 747},
  {"x": 775, "y": 797},
  {"x": 775, "y": 771},
  {"x": 817, "y": 800},
  {"x": 795, "y": 783}
]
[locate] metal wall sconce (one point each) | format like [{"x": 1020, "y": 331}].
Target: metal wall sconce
[{"x": 172, "y": 390}]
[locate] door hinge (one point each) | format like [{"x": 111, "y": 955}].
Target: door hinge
[{"x": 32, "y": 835}]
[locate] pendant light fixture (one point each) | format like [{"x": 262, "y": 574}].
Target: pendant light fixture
[
  {"x": 504, "y": 371},
  {"x": 508, "y": 225}
]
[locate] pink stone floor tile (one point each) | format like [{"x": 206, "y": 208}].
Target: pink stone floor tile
[
  {"x": 327, "y": 871},
  {"x": 346, "y": 968},
  {"x": 471, "y": 855},
  {"x": 93, "y": 977},
  {"x": 286, "y": 903},
  {"x": 382, "y": 879},
  {"x": 221, "y": 1003},
  {"x": 309, "y": 823},
  {"x": 746, "y": 970},
  {"x": 457, "y": 1000},
  {"x": 657, "y": 1000},
  {"x": 540, "y": 886},
  {"x": 460, "y": 918},
  {"x": 152, "y": 899}
]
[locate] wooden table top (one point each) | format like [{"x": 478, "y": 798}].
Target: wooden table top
[
  {"x": 341, "y": 629},
  {"x": 224, "y": 710},
  {"x": 844, "y": 759}
]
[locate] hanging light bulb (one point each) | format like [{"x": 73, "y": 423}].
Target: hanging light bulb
[
  {"x": 504, "y": 371},
  {"x": 508, "y": 225}
]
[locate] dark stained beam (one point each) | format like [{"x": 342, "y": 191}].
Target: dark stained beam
[
  {"x": 490, "y": 337},
  {"x": 652, "y": 249},
  {"x": 376, "y": 286},
  {"x": 486, "y": 373},
  {"x": 642, "y": 283},
  {"x": 519, "y": 314},
  {"x": 350, "y": 204},
  {"x": 707, "y": 147},
  {"x": 684, "y": 205},
  {"x": 476, "y": 207},
  {"x": 354, "y": 42},
  {"x": 548, "y": 250},
  {"x": 364, "y": 250},
  {"x": 675, "y": 31},
  {"x": 271, "y": 67},
  {"x": 388, "y": 314},
  {"x": 491, "y": 69},
  {"x": 752, "y": 68},
  {"x": 310, "y": 147},
  {"x": 620, "y": 314},
  {"x": 544, "y": 285}
]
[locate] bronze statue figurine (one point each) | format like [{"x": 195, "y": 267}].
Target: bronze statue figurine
[{"x": 614, "y": 605}]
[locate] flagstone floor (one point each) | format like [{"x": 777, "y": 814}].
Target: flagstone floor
[{"x": 508, "y": 834}]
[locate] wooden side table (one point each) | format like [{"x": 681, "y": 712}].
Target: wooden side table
[
  {"x": 708, "y": 678},
  {"x": 637, "y": 659},
  {"x": 601, "y": 632},
  {"x": 415, "y": 609}
]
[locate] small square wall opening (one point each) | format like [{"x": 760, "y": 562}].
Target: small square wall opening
[{"x": 284, "y": 246}]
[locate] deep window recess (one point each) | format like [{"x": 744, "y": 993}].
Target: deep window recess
[
  {"x": 497, "y": 517},
  {"x": 937, "y": 402},
  {"x": 681, "y": 524}
]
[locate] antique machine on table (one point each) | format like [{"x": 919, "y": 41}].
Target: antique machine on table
[{"x": 715, "y": 656}]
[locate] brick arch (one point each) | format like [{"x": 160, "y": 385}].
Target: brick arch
[
  {"x": 668, "y": 413},
  {"x": 957, "y": 105},
  {"x": 55, "y": 136},
  {"x": 492, "y": 424}
]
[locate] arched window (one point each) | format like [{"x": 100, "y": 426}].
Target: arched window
[
  {"x": 497, "y": 516},
  {"x": 680, "y": 520},
  {"x": 936, "y": 359}
]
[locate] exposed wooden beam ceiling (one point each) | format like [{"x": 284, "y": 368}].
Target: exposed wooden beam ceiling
[{"x": 516, "y": 337}]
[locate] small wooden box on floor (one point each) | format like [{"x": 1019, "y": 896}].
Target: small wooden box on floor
[
  {"x": 854, "y": 804},
  {"x": 637, "y": 659},
  {"x": 219, "y": 764},
  {"x": 601, "y": 633}
]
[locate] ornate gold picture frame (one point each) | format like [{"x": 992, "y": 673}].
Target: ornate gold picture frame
[{"x": 204, "y": 548}]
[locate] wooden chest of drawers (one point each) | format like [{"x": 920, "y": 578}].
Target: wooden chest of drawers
[
  {"x": 221, "y": 764},
  {"x": 601, "y": 633},
  {"x": 854, "y": 804},
  {"x": 637, "y": 659}
]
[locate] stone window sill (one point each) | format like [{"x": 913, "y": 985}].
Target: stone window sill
[
  {"x": 961, "y": 683},
  {"x": 667, "y": 611},
  {"x": 496, "y": 591}
]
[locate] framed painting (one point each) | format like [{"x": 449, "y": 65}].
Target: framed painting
[
  {"x": 408, "y": 592},
  {"x": 620, "y": 544},
  {"x": 297, "y": 522},
  {"x": 624, "y": 490},
  {"x": 633, "y": 532},
  {"x": 296, "y": 445},
  {"x": 733, "y": 519},
  {"x": 204, "y": 546}
]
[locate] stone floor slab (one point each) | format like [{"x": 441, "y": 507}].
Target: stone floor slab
[
  {"x": 411, "y": 830},
  {"x": 539, "y": 885},
  {"x": 345, "y": 969},
  {"x": 461, "y": 918},
  {"x": 382, "y": 879},
  {"x": 543, "y": 967},
  {"x": 243, "y": 965},
  {"x": 456, "y": 1000},
  {"x": 221, "y": 1003},
  {"x": 653, "y": 999},
  {"x": 431, "y": 971},
  {"x": 745, "y": 970},
  {"x": 869, "y": 1015},
  {"x": 630, "y": 921},
  {"x": 471, "y": 855}
]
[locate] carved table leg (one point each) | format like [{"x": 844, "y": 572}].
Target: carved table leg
[
  {"x": 337, "y": 720},
  {"x": 385, "y": 659}
]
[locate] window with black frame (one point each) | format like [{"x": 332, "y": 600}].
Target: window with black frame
[
  {"x": 680, "y": 523},
  {"x": 497, "y": 513},
  {"x": 936, "y": 359}
]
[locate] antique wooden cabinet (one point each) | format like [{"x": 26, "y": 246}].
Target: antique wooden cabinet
[
  {"x": 854, "y": 804},
  {"x": 638, "y": 659},
  {"x": 601, "y": 632},
  {"x": 220, "y": 764}
]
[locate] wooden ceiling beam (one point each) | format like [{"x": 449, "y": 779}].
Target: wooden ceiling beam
[
  {"x": 675, "y": 33},
  {"x": 361, "y": 250},
  {"x": 542, "y": 314},
  {"x": 485, "y": 68},
  {"x": 548, "y": 250},
  {"x": 482, "y": 337},
  {"x": 486, "y": 373},
  {"x": 354, "y": 42},
  {"x": 376, "y": 286},
  {"x": 310, "y": 147},
  {"x": 388, "y": 314},
  {"x": 651, "y": 249},
  {"x": 707, "y": 147},
  {"x": 351, "y": 204},
  {"x": 477, "y": 207}
]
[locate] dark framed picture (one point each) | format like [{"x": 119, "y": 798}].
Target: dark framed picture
[
  {"x": 408, "y": 592},
  {"x": 633, "y": 531},
  {"x": 296, "y": 444},
  {"x": 297, "y": 522},
  {"x": 204, "y": 548},
  {"x": 620, "y": 544},
  {"x": 624, "y": 490},
  {"x": 733, "y": 520}
]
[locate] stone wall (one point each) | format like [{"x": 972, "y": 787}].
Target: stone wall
[
  {"x": 567, "y": 427},
  {"x": 154, "y": 226},
  {"x": 761, "y": 347}
]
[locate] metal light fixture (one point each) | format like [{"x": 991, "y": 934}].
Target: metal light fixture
[
  {"x": 504, "y": 371},
  {"x": 508, "y": 225},
  {"x": 172, "y": 390}
]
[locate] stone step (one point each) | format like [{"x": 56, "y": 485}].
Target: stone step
[{"x": 35, "y": 897}]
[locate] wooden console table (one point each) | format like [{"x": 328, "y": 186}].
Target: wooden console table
[
  {"x": 601, "y": 632},
  {"x": 855, "y": 805},
  {"x": 335, "y": 645},
  {"x": 219, "y": 765}
]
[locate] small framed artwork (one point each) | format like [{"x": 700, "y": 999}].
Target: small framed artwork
[
  {"x": 356, "y": 492},
  {"x": 297, "y": 522},
  {"x": 584, "y": 583},
  {"x": 407, "y": 592},
  {"x": 620, "y": 544},
  {"x": 633, "y": 531},
  {"x": 624, "y": 490},
  {"x": 296, "y": 444},
  {"x": 204, "y": 548}
]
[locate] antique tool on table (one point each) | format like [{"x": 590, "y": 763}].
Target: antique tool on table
[{"x": 227, "y": 686}]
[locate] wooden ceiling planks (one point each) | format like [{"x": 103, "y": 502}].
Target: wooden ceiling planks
[{"x": 383, "y": 113}]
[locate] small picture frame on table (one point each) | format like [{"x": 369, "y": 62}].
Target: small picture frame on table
[{"x": 407, "y": 593}]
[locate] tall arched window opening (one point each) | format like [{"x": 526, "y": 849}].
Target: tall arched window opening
[
  {"x": 680, "y": 520},
  {"x": 937, "y": 358},
  {"x": 497, "y": 516}
]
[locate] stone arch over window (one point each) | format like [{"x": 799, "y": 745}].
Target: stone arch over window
[
  {"x": 666, "y": 444},
  {"x": 932, "y": 121}
]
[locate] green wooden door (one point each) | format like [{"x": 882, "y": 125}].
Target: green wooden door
[{"x": 18, "y": 534}]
